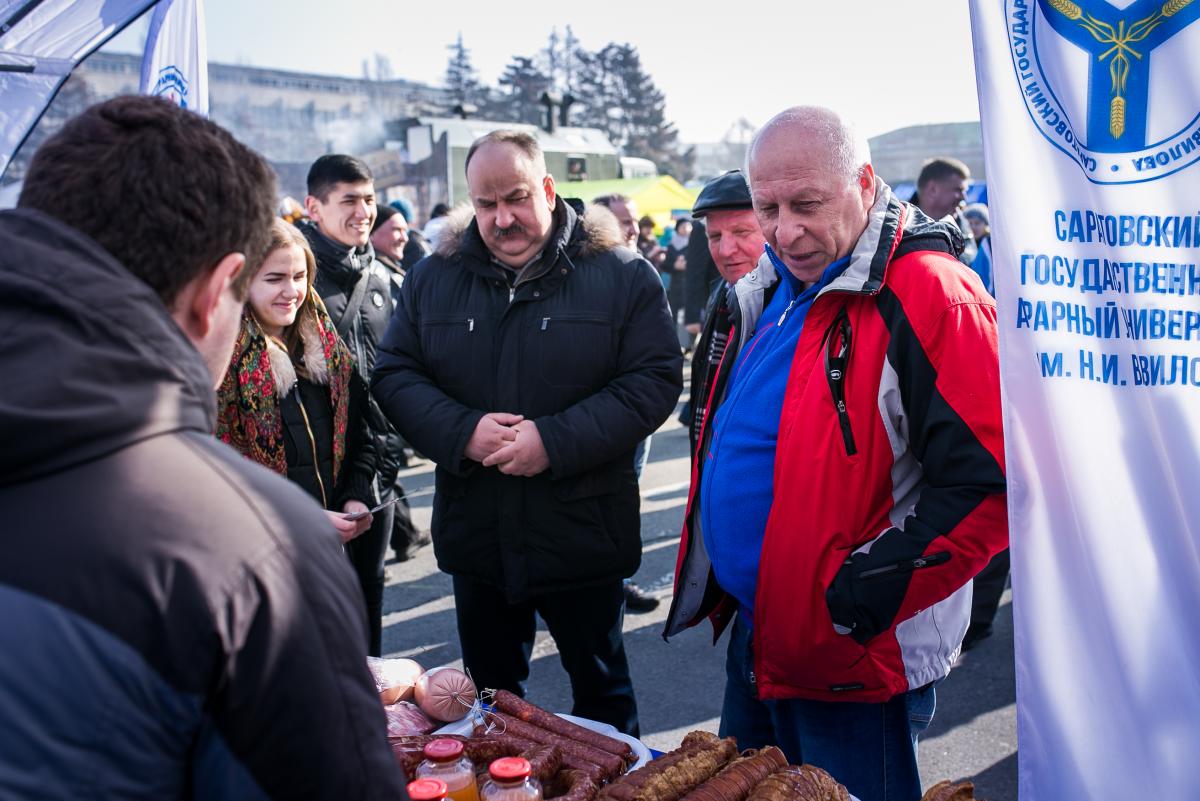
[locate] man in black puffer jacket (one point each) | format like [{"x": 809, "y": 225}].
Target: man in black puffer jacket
[
  {"x": 528, "y": 357},
  {"x": 357, "y": 292}
]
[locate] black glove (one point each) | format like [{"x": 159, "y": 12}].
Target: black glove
[{"x": 865, "y": 595}]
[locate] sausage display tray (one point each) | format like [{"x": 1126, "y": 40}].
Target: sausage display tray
[{"x": 466, "y": 726}]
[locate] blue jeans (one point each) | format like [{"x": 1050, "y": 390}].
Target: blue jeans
[{"x": 870, "y": 748}]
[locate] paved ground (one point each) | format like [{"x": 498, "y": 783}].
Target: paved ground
[{"x": 679, "y": 684}]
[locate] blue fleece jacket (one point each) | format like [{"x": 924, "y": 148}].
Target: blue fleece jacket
[{"x": 736, "y": 487}]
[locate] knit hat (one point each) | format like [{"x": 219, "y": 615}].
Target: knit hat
[
  {"x": 382, "y": 215},
  {"x": 977, "y": 211},
  {"x": 404, "y": 207}
]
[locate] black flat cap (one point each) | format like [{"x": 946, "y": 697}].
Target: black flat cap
[{"x": 728, "y": 191}]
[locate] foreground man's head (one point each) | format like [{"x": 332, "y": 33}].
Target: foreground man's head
[{"x": 174, "y": 197}]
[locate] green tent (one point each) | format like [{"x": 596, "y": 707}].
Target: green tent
[{"x": 661, "y": 196}]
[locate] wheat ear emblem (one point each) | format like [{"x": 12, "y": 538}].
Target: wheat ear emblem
[{"x": 1122, "y": 40}]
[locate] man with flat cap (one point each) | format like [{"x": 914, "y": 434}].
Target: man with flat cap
[{"x": 735, "y": 243}]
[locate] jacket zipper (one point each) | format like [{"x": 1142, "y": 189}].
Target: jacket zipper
[
  {"x": 836, "y": 350},
  {"x": 312, "y": 441},
  {"x": 908, "y": 565}
]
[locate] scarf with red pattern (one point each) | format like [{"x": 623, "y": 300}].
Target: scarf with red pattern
[{"x": 261, "y": 374}]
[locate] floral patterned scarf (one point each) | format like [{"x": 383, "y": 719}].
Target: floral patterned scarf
[{"x": 261, "y": 375}]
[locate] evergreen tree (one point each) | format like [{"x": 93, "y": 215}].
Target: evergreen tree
[
  {"x": 557, "y": 60},
  {"x": 617, "y": 96},
  {"x": 462, "y": 81},
  {"x": 550, "y": 60},
  {"x": 592, "y": 85},
  {"x": 568, "y": 61},
  {"x": 521, "y": 88}
]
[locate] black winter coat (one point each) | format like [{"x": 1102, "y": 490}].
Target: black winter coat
[
  {"x": 198, "y": 606},
  {"x": 701, "y": 272},
  {"x": 308, "y": 445},
  {"x": 338, "y": 271},
  {"x": 585, "y": 348}
]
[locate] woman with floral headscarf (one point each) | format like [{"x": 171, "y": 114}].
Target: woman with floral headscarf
[{"x": 292, "y": 400}]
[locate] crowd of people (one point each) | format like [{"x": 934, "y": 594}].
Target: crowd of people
[{"x": 209, "y": 407}]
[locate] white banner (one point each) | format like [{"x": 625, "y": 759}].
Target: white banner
[
  {"x": 40, "y": 43},
  {"x": 1091, "y": 125},
  {"x": 176, "y": 62}
]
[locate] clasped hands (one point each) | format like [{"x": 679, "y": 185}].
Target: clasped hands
[{"x": 508, "y": 442}]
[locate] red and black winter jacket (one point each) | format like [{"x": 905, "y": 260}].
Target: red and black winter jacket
[{"x": 889, "y": 488}]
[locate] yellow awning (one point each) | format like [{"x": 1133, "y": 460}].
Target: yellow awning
[{"x": 661, "y": 197}]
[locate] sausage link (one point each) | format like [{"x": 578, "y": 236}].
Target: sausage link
[
  {"x": 670, "y": 777},
  {"x": 518, "y": 707},
  {"x": 611, "y": 764},
  {"x": 571, "y": 785},
  {"x": 544, "y": 760},
  {"x": 739, "y": 778}
]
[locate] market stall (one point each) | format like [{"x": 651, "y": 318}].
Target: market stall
[{"x": 493, "y": 744}]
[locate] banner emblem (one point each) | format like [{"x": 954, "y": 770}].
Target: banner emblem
[
  {"x": 1119, "y": 44},
  {"x": 171, "y": 85}
]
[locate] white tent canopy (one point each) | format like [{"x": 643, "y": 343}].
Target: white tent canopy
[{"x": 41, "y": 41}]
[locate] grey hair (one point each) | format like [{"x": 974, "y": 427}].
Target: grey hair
[
  {"x": 522, "y": 141},
  {"x": 849, "y": 150}
]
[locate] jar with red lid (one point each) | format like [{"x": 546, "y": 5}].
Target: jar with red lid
[
  {"x": 427, "y": 790},
  {"x": 444, "y": 759},
  {"x": 509, "y": 780}
]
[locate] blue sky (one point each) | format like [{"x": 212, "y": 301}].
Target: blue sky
[{"x": 884, "y": 64}]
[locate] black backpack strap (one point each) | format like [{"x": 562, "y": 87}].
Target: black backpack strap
[{"x": 354, "y": 304}]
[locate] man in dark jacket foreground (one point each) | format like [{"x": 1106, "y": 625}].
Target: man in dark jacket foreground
[
  {"x": 528, "y": 357},
  {"x": 175, "y": 621}
]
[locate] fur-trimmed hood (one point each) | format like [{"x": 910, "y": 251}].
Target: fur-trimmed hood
[
  {"x": 284, "y": 370},
  {"x": 593, "y": 229}
]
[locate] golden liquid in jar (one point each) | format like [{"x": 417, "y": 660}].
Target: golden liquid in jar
[
  {"x": 459, "y": 779},
  {"x": 465, "y": 792}
]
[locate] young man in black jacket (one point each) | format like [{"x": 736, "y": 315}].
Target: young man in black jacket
[
  {"x": 357, "y": 291},
  {"x": 528, "y": 357}
]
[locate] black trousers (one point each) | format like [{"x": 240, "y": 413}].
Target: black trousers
[
  {"x": 367, "y": 553},
  {"x": 496, "y": 638},
  {"x": 989, "y": 586},
  {"x": 404, "y": 530}
]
